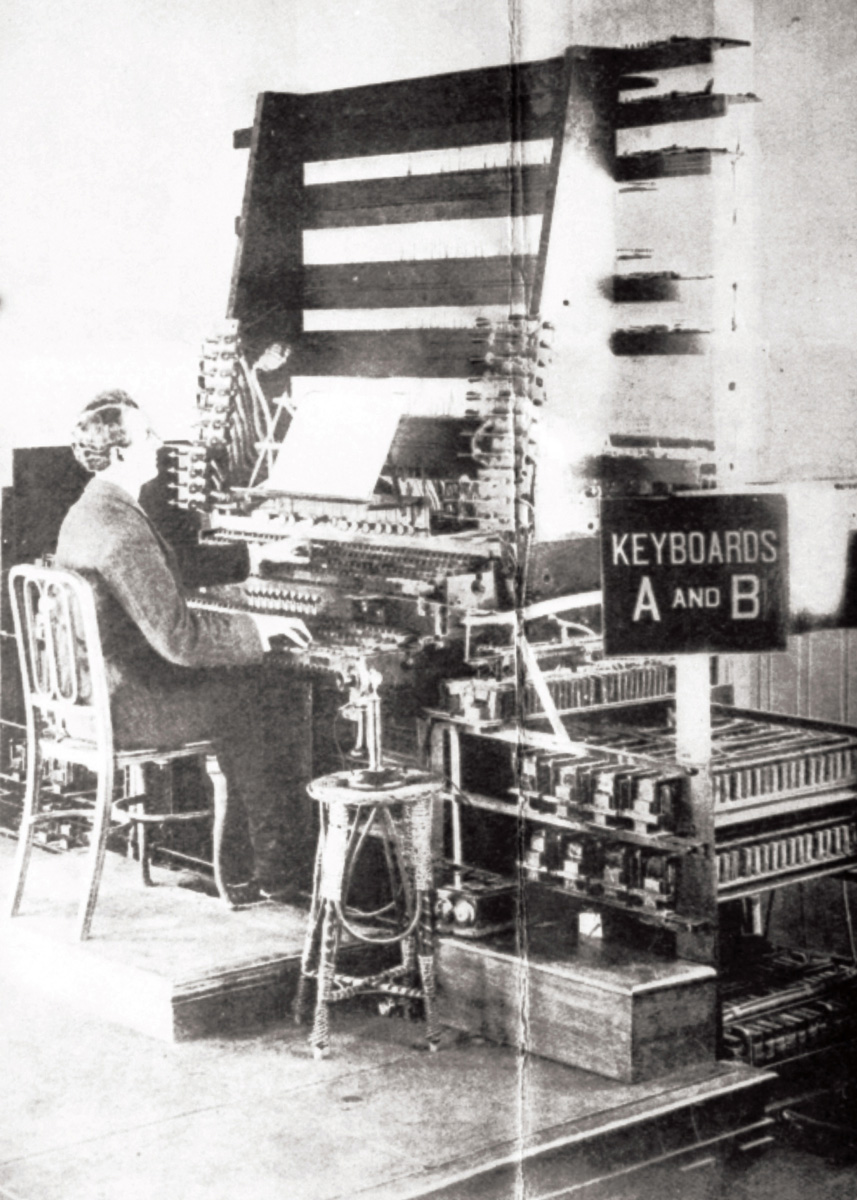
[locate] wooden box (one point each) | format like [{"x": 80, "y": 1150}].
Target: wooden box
[{"x": 595, "y": 1007}]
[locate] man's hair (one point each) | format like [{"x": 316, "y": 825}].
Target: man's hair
[{"x": 100, "y": 427}]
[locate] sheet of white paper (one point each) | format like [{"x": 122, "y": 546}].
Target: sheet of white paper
[{"x": 339, "y": 437}]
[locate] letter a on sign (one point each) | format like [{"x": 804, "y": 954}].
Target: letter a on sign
[{"x": 646, "y": 602}]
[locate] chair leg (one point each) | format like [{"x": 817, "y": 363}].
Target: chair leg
[
  {"x": 100, "y": 830},
  {"x": 26, "y": 836},
  {"x": 220, "y": 796},
  {"x": 137, "y": 787},
  {"x": 143, "y": 851}
]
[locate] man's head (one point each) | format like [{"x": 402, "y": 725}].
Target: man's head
[{"x": 113, "y": 438}]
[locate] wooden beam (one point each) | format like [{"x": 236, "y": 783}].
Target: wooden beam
[
  {"x": 588, "y": 102},
  {"x": 663, "y": 110},
  {"x": 270, "y": 238},
  {"x": 650, "y": 341},
  {"x": 663, "y": 164},
  {"x": 645, "y": 286},
  {"x": 676, "y": 52},
  {"x": 420, "y": 353},
  {"x": 498, "y": 192},
  {"x": 441, "y": 282},
  {"x": 494, "y": 104}
]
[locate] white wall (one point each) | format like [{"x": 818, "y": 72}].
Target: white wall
[
  {"x": 119, "y": 184},
  {"x": 805, "y": 74}
]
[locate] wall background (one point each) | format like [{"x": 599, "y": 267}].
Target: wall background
[{"x": 120, "y": 185}]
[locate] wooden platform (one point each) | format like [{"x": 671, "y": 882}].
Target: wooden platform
[
  {"x": 474, "y": 1120},
  {"x": 167, "y": 961},
  {"x": 622, "y": 1012}
]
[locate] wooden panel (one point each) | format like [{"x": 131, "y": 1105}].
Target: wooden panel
[
  {"x": 633, "y": 342},
  {"x": 480, "y": 993},
  {"x": 630, "y": 289},
  {"x": 630, "y": 83},
  {"x": 850, "y": 676},
  {"x": 673, "y": 1028},
  {"x": 462, "y": 109},
  {"x": 424, "y": 353},
  {"x": 269, "y": 246},
  {"x": 826, "y": 675},
  {"x": 441, "y": 282},
  {"x": 663, "y": 164},
  {"x": 446, "y": 196},
  {"x": 815, "y": 677},
  {"x": 587, "y": 124},
  {"x": 663, "y": 110},
  {"x": 166, "y": 961},
  {"x": 553, "y": 180},
  {"x": 642, "y": 441},
  {"x": 781, "y": 694},
  {"x": 439, "y": 446},
  {"x": 677, "y": 52},
  {"x": 599, "y": 1020}
]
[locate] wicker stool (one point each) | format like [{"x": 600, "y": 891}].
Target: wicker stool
[{"x": 400, "y": 812}]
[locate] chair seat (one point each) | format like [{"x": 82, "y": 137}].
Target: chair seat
[{"x": 86, "y": 754}]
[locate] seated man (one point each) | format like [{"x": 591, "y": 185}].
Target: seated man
[{"x": 175, "y": 675}]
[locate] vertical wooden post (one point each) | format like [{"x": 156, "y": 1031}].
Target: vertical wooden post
[
  {"x": 445, "y": 760},
  {"x": 698, "y": 883},
  {"x": 693, "y": 709}
]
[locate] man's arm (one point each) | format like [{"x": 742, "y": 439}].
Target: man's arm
[{"x": 136, "y": 570}]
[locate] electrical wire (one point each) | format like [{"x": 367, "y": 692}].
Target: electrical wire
[{"x": 846, "y": 900}]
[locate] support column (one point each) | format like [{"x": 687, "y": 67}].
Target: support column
[{"x": 698, "y": 887}]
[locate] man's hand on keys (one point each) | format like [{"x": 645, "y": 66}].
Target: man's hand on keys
[
  {"x": 292, "y": 628},
  {"x": 283, "y": 550}
]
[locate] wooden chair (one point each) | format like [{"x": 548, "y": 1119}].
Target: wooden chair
[{"x": 68, "y": 720}]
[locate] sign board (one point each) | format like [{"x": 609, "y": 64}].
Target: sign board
[{"x": 695, "y": 574}]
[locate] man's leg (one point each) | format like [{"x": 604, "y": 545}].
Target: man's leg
[
  {"x": 260, "y": 722},
  {"x": 264, "y": 744}
]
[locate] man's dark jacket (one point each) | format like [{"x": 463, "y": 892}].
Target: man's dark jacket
[{"x": 159, "y": 652}]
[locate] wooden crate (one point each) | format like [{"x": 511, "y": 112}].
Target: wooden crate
[{"x": 596, "y": 1008}]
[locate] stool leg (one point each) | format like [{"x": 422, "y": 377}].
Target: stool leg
[
  {"x": 220, "y": 799},
  {"x": 397, "y": 851},
  {"x": 100, "y": 829},
  {"x": 425, "y": 960},
  {"x": 27, "y": 833},
  {"x": 332, "y": 876},
  {"x": 419, "y": 824},
  {"x": 320, "y": 1036}
]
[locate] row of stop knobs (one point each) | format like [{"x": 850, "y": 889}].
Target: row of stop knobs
[{"x": 283, "y": 599}]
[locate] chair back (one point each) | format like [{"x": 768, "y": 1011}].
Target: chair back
[{"x": 59, "y": 649}]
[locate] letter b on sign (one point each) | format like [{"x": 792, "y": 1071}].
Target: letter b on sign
[{"x": 745, "y": 597}]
